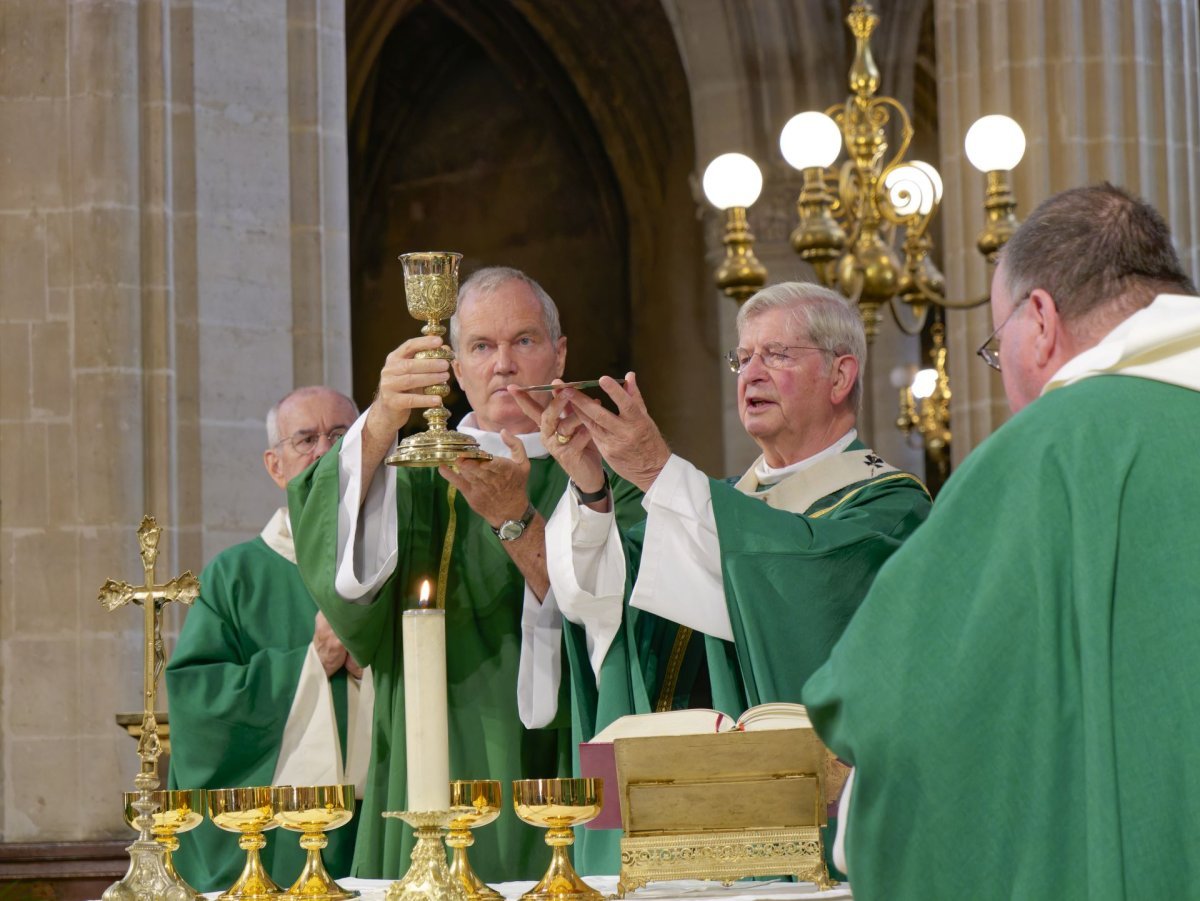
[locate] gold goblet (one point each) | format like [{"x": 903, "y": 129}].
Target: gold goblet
[
  {"x": 249, "y": 812},
  {"x": 473, "y": 803},
  {"x": 177, "y": 810},
  {"x": 431, "y": 290},
  {"x": 313, "y": 811},
  {"x": 557, "y": 805}
]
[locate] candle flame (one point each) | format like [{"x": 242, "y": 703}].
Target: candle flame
[{"x": 424, "y": 600}]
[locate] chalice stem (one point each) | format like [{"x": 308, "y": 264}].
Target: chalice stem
[{"x": 254, "y": 883}]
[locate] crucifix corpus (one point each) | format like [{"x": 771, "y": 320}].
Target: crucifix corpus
[{"x": 148, "y": 877}]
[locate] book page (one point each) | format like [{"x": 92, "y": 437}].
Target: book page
[{"x": 696, "y": 721}]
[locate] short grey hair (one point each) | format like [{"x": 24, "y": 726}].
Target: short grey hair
[
  {"x": 485, "y": 281},
  {"x": 273, "y": 436},
  {"x": 826, "y": 317}
]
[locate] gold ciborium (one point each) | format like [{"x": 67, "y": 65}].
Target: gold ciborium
[
  {"x": 474, "y": 803},
  {"x": 249, "y": 812},
  {"x": 313, "y": 811},
  {"x": 557, "y": 805},
  {"x": 431, "y": 289},
  {"x": 175, "y": 811}
]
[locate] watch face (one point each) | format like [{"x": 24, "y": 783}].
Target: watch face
[{"x": 511, "y": 530}]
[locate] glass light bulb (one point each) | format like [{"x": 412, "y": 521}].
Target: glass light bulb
[
  {"x": 732, "y": 179},
  {"x": 810, "y": 140},
  {"x": 995, "y": 143},
  {"x": 923, "y": 383},
  {"x": 913, "y": 188}
]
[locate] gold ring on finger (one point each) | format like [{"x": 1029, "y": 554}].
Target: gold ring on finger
[{"x": 562, "y": 439}]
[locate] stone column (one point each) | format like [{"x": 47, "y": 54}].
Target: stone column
[{"x": 1105, "y": 91}]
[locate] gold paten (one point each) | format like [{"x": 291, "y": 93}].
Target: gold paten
[
  {"x": 249, "y": 812},
  {"x": 722, "y": 807},
  {"x": 475, "y": 803},
  {"x": 313, "y": 811},
  {"x": 148, "y": 876},
  {"x": 431, "y": 290},
  {"x": 176, "y": 810},
  {"x": 557, "y": 805},
  {"x": 428, "y": 878}
]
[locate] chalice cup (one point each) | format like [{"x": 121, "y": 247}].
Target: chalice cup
[
  {"x": 431, "y": 290},
  {"x": 313, "y": 811},
  {"x": 177, "y": 810},
  {"x": 473, "y": 803},
  {"x": 557, "y": 805},
  {"x": 249, "y": 812}
]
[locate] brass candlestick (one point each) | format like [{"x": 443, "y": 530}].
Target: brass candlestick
[
  {"x": 428, "y": 878},
  {"x": 176, "y": 810},
  {"x": 557, "y": 805},
  {"x": 249, "y": 812},
  {"x": 148, "y": 876},
  {"x": 431, "y": 290},
  {"x": 313, "y": 811},
  {"x": 475, "y": 803}
]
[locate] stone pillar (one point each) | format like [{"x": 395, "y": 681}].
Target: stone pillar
[
  {"x": 1105, "y": 91},
  {"x": 173, "y": 243}
]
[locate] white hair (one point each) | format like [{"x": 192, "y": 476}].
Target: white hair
[
  {"x": 485, "y": 281},
  {"x": 273, "y": 436},
  {"x": 828, "y": 319}
]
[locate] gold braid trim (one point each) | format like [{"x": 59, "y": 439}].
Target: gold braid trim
[
  {"x": 888, "y": 478},
  {"x": 674, "y": 663},
  {"x": 447, "y": 549}
]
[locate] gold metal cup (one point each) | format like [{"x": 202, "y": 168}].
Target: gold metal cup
[
  {"x": 313, "y": 811},
  {"x": 431, "y": 291},
  {"x": 177, "y": 810},
  {"x": 249, "y": 812},
  {"x": 474, "y": 803},
  {"x": 557, "y": 805}
]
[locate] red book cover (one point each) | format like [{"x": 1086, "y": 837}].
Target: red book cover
[{"x": 598, "y": 760}]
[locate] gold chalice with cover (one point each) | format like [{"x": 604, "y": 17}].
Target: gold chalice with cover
[
  {"x": 249, "y": 812},
  {"x": 176, "y": 810},
  {"x": 557, "y": 805},
  {"x": 431, "y": 290},
  {"x": 313, "y": 811},
  {"x": 473, "y": 803}
]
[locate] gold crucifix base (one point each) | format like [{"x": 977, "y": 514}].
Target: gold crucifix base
[{"x": 428, "y": 878}]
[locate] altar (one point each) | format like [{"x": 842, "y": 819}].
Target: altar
[{"x": 681, "y": 890}]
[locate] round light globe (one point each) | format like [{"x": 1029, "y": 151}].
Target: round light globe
[
  {"x": 732, "y": 179},
  {"x": 923, "y": 383},
  {"x": 914, "y": 188},
  {"x": 995, "y": 143},
  {"x": 810, "y": 140}
]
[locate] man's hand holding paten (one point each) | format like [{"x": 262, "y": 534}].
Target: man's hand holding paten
[{"x": 628, "y": 440}]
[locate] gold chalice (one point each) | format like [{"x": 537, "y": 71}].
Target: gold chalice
[
  {"x": 474, "y": 803},
  {"x": 431, "y": 289},
  {"x": 559, "y": 804},
  {"x": 313, "y": 811},
  {"x": 176, "y": 810},
  {"x": 250, "y": 812}
]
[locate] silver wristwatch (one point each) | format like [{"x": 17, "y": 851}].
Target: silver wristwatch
[{"x": 512, "y": 529}]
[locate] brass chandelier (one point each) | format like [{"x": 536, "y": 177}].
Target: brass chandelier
[{"x": 864, "y": 226}]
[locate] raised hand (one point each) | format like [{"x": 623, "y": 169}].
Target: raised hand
[
  {"x": 564, "y": 437},
  {"x": 628, "y": 440},
  {"x": 496, "y": 489}
]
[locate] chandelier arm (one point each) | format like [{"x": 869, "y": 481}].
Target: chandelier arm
[
  {"x": 906, "y": 131},
  {"x": 964, "y": 304},
  {"x": 919, "y": 323}
]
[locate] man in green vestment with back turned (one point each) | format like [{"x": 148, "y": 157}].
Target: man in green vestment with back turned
[
  {"x": 261, "y": 692},
  {"x": 736, "y": 592},
  {"x": 368, "y": 534},
  {"x": 1020, "y": 691}
]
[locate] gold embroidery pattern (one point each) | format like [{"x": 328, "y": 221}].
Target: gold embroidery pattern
[
  {"x": 888, "y": 478},
  {"x": 674, "y": 664},
  {"x": 447, "y": 548}
]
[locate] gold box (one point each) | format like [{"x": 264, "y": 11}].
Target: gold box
[{"x": 723, "y": 807}]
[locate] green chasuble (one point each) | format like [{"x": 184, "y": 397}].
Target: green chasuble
[
  {"x": 484, "y": 593},
  {"x": 792, "y": 582},
  {"x": 230, "y": 686},
  {"x": 1020, "y": 691}
]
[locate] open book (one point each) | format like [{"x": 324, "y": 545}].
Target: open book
[{"x": 597, "y": 759}]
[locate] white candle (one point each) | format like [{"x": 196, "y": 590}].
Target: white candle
[{"x": 426, "y": 732}]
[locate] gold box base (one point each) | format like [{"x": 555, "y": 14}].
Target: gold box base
[
  {"x": 436, "y": 448},
  {"x": 723, "y": 856}
]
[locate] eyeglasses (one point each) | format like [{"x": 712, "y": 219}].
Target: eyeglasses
[
  {"x": 306, "y": 442},
  {"x": 773, "y": 356},
  {"x": 989, "y": 351}
]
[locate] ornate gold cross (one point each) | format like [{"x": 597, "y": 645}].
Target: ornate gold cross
[{"x": 152, "y": 597}]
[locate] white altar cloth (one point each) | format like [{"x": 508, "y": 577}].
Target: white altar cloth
[{"x": 684, "y": 889}]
